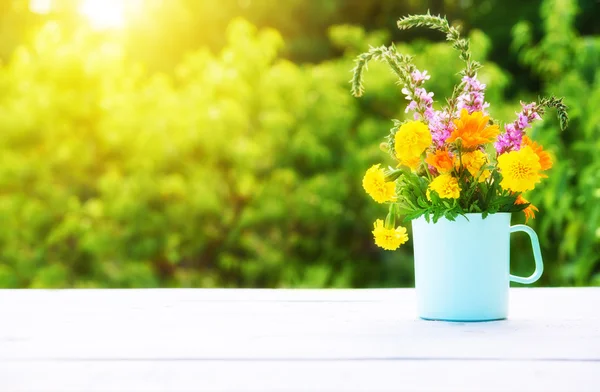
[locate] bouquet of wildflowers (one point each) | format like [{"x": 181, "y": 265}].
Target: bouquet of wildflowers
[{"x": 456, "y": 159}]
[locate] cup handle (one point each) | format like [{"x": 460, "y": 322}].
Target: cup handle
[{"x": 537, "y": 255}]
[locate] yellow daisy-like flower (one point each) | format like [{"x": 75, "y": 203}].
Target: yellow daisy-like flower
[
  {"x": 473, "y": 129},
  {"x": 529, "y": 211},
  {"x": 520, "y": 170},
  {"x": 473, "y": 161},
  {"x": 410, "y": 141},
  {"x": 441, "y": 160},
  {"x": 446, "y": 187},
  {"x": 376, "y": 186},
  {"x": 389, "y": 239}
]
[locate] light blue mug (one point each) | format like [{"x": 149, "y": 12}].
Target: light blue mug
[{"x": 462, "y": 267}]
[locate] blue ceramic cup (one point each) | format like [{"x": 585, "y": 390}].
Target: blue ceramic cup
[{"x": 462, "y": 267}]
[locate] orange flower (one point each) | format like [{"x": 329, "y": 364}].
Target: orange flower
[
  {"x": 529, "y": 211},
  {"x": 441, "y": 160},
  {"x": 473, "y": 130},
  {"x": 545, "y": 158}
]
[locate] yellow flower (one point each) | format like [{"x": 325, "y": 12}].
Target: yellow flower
[
  {"x": 376, "y": 186},
  {"x": 441, "y": 160},
  {"x": 411, "y": 140},
  {"x": 545, "y": 159},
  {"x": 446, "y": 187},
  {"x": 473, "y": 130},
  {"x": 520, "y": 170},
  {"x": 473, "y": 161},
  {"x": 529, "y": 211},
  {"x": 389, "y": 239}
]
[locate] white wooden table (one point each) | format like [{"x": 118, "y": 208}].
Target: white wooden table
[{"x": 291, "y": 340}]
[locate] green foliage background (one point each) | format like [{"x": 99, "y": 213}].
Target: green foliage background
[{"x": 234, "y": 158}]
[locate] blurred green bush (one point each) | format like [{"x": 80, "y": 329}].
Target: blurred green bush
[{"x": 243, "y": 169}]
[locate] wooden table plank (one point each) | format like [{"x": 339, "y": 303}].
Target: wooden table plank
[{"x": 326, "y": 339}]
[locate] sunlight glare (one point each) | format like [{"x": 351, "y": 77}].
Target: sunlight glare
[
  {"x": 40, "y": 6},
  {"x": 104, "y": 14}
]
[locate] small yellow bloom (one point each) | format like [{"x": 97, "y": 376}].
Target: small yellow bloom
[
  {"x": 410, "y": 141},
  {"x": 473, "y": 161},
  {"x": 441, "y": 160},
  {"x": 376, "y": 186},
  {"x": 446, "y": 187},
  {"x": 473, "y": 129},
  {"x": 389, "y": 239},
  {"x": 529, "y": 211},
  {"x": 520, "y": 170}
]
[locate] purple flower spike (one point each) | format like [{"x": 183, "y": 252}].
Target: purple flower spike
[
  {"x": 523, "y": 121},
  {"x": 441, "y": 127},
  {"x": 473, "y": 97},
  {"x": 411, "y": 106},
  {"x": 421, "y": 101},
  {"x": 512, "y": 138}
]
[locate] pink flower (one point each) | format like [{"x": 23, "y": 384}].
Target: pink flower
[
  {"x": 419, "y": 77},
  {"x": 411, "y": 106},
  {"x": 421, "y": 101},
  {"x": 441, "y": 127},
  {"x": 429, "y": 113}
]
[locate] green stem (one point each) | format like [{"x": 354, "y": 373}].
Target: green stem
[
  {"x": 561, "y": 109},
  {"x": 390, "y": 219}
]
